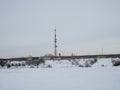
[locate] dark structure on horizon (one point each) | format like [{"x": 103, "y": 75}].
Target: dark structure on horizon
[
  {"x": 62, "y": 57},
  {"x": 55, "y": 46}
]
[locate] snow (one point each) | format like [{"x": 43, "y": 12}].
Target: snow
[
  {"x": 103, "y": 62},
  {"x": 63, "y": 75},
  {"x": 58, "y": 63},
  {"x": 94, "y": 78},
  {"x": 68, "y": 63}
]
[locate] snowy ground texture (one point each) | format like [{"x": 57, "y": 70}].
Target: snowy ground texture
[{"x": 62, "y": 77}]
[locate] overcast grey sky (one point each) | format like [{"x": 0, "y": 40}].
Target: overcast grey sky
[{"x": 83, "y": 27}]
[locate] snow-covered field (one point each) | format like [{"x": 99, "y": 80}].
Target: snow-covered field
[
  {"x": 72, "y": 78},
  {"x": 62, "y": 75}
]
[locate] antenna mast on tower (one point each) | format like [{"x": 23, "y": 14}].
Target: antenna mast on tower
[{"x": 55, "y": 41}]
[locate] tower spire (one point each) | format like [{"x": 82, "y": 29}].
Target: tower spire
[{"x": 55, "y": 41}]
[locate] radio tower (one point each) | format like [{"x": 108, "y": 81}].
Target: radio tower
[{"x": 55, "y": 52}]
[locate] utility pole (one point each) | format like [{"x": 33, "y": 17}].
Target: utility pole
[{"x": 55, "y": 46}]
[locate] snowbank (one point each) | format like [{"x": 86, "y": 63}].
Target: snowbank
[{"x": 99, "y": 62}]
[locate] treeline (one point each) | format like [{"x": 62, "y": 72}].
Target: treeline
[{"x": 31, "y": 63}]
